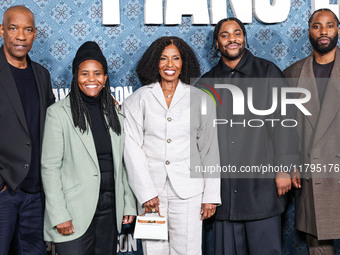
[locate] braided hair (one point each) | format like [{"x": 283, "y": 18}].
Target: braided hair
[{"x": 80, "y": 114}]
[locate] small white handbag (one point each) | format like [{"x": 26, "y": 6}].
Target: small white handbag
[{"x": 151, "y": 227}]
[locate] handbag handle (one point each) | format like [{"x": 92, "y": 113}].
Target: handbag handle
[{"x": 145, "y": 213}]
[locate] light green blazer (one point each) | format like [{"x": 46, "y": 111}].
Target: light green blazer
[{"x": 71, "y": 176}]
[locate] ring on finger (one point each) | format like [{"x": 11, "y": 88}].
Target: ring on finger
[{"x": 153, "y": 210}]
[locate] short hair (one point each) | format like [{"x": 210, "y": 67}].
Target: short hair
[
  {"x": 19, "y": 7},
  {"x": 320, "y": 10},
  {"x": 148, "y": 70},
  {"x": 220, "y": 23}
]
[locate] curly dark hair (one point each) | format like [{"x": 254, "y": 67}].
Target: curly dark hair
[
  {"x": 80, "y": 113},
  {"x": 147, "y": 68}
]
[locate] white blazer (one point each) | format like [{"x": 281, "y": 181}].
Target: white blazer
[{"x": 159, "y": 140}]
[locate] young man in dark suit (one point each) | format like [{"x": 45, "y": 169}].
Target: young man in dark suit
[{"x": 25, "y": 93}]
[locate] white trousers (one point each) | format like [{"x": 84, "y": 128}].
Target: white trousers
[{"x": 184, "y": 225}]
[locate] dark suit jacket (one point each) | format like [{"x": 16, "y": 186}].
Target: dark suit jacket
[
  {"x": 15, "y": 141},
  {"x": 317, "y": 203}
]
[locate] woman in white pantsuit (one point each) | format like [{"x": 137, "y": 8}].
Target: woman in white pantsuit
[{"x": 165, "y": 132}]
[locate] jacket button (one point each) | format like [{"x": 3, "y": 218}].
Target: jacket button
[
  {"x": 169, "y": 141},
  {"x": 28, "y": 144},
  {"x": 169, "y": 119},
  {"x": 26, "y": 166},
  {"x": 167, "y": 162},
  {"x": 337, "y": 156},
  {"x": 235, "y": 191}
]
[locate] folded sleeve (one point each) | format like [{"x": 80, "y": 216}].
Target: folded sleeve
[
  {"x": 51, "y": 162},
  {"x": 207, "y": 143},
  {"x": 135, "y": 160}
]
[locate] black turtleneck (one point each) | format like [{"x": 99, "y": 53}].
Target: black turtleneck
[
  {"x": 102, "y": 141},
  {"x": 322, "y": 72}
]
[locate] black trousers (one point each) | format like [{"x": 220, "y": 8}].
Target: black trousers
[
  {"x": 258, "y": 237},
  {"x": 101, "y": 236}
]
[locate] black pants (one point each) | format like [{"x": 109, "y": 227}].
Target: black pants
[
  {"x": 258, "y": 237},
  {"x": 101, "y": 236}
]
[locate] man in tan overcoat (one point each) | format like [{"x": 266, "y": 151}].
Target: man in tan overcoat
[{"x": 318, "y": 194}]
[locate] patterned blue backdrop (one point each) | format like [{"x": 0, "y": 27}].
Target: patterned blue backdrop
[{"x": 64, "y": 25}]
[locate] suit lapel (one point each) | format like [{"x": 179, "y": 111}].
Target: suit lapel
[
  {"x": 330, "y": 105},
  {"x": 158, "y": 94},
  {"x": 116, "y": 151},
  {"x": 179, "y": 93},
  {"x": 85, "y": 137},
  {"x": 306, "y": 82},
  {"x": 10, "y": 88},
  {"x": 39, "y": 84}
]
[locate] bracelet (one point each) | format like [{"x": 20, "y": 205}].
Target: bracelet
[{"x": 4, "y": 188}]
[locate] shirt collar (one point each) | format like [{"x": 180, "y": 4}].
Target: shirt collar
[{"x": 244, "y": 66}]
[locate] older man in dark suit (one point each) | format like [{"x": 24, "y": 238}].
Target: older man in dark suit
[
  {"x": 318, "y": 200},
  {"x": 25, "y": 93}
]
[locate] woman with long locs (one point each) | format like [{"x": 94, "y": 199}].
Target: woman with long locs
[{"x": 85, "y": 183}]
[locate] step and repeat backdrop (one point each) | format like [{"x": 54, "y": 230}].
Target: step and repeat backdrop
[{"x": 276, "y": 30}]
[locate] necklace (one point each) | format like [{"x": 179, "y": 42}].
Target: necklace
[{"x": 168, "y": 92}]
